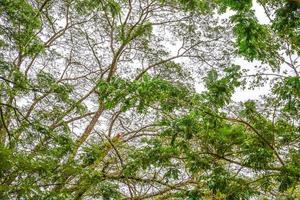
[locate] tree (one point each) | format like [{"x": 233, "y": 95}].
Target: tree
[{"x": 98, "y": 100}]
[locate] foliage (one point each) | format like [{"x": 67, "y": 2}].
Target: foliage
[{"x": 101, "y": 100}]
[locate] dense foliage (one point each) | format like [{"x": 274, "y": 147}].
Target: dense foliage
[{"x": 100, "y": 99}]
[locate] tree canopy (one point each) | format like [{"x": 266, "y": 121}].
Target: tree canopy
[{"x": 133, "y": 99}]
